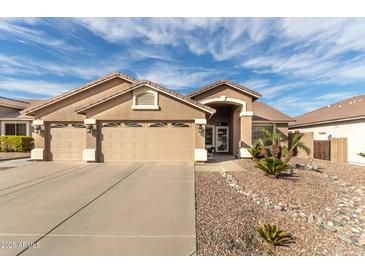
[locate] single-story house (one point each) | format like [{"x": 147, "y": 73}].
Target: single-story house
[
  {"x": 341, "y": 125},
  {"x": 11, "y": 123},
  {"x": 119, "y": 118}
]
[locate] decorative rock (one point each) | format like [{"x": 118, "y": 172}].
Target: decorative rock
[
  {"x": 329, "y": 227},
  {"x": 311, "y": 218},
  {"x": 344, "y": 237}
]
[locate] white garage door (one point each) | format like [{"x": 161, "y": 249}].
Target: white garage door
[
  {"x": 148, "y": 142},
  {"x": 67, "y": 141}
]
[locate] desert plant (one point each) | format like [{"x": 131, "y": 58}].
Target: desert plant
[
  {"x": 275, "y": 138},
  {"x": 362, "y": 154},
  {"x": 257, "y": 150},
  {"x": 273, "y": 234},
  {"x": 295, "y": 144},
  {"x": 272, "y": 166}
]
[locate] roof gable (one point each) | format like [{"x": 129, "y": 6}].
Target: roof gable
[
  {"x": 79, "y": 90},
  {"x": 153, "y": 86},
  {"x": 234, "y": 85}
]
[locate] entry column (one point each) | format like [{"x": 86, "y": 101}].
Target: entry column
[
  {"x": 246, "y": 133},
  {"x": 89, "y": 153}
]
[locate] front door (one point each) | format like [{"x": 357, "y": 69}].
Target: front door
[{"x": 222, "y": 143}]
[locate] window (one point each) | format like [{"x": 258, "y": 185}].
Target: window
[
  {"x": 145, "y": 99},
  {"x": 258, "y": 134},
  {"x": 158, "y": 125},
  {"x": 16, "y": 129},
  {"x": 180, "y": 125},
  {"x": 209, "y": 135}
]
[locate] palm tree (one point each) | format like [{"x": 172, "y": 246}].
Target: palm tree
[
  {"x": 275, "y": 138},
  {"x": 295, "y": 144}
]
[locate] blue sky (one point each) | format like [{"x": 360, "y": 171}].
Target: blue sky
[{"x": 298, "y": 64}]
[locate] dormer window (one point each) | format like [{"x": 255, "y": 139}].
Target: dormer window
[{"x": 145, "y": 99}]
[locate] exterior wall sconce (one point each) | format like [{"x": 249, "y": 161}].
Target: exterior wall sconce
[
  {"x": 38, "y": 126},
  {"x": 90, "y": 125},
  {"x": 201, "y": 130}
]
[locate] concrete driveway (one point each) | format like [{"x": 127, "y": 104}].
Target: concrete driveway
[{"x": 67, "y": 208}]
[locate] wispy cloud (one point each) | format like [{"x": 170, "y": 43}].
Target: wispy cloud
[
  {"x": 35, "y": 87},
  {"x": 176, "y": 76}
]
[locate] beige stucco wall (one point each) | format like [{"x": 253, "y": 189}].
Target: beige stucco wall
[
  {"x": 283, "y": 129},
  {"x": 64, "y": 110},
  {"x": 120, "y": 108},
  {"x": 225, "y": 90},
  {"x": 246, "y": 132}
]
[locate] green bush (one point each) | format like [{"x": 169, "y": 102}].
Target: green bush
[
  {"x": 16, "y": 143},
  {"x": 272, "y": 166}
]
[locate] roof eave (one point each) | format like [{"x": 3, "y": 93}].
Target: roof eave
[{"x": 327, "y": 122}]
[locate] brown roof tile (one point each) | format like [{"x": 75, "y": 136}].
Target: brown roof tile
[
  {"x": 13, "y": 103},
  {"x": 263, "y": 112},
  {"x": 224, "y": 82},
  {"x": 349, "y": 109}
]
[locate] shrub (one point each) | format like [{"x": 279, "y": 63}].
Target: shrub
[
  {"x": 16, "y": 143},
  {"x": 272, "y": 166},
  {"x": 274, "y": 235}
]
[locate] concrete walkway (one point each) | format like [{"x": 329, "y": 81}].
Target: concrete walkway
[
  {"x": 218, "y": 163},
  {"x": 98, "y": 209}
]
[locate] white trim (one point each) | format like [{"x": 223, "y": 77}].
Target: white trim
[
  {"x": 5, "y": 122},
  {"x": 37, "y": 122},
  {"x": 37, "y": 154},
  {"x": 90, "y": 122},
  {"x": 88, "y": 155},
  {"x": 200, "y": 121},
  {"x": 145, "y": 107},
  {"x": 200, "y": 155},
  {"x": 244, "y": 153},
  {"x": 137, "y": 92},
  {"x": 246, "y": 114},
  {"x": 227, "y": 99}
]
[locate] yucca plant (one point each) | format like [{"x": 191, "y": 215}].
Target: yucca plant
[
  {"x": 272, "y": 166},
  {"x": 273, "y": 234}
]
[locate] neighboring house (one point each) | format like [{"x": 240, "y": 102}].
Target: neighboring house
[
  {"x": 343, "y": 121},
  {"x": 119, "y": 118},
  {"x": 11, "y": 122}
]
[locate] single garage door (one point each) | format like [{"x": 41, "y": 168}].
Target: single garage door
[
  {"x": 148, "y": 142},
  {"x": 67, "y": 141}
]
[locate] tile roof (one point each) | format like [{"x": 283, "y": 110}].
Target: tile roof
[
  {"x": 79, "y": 89},
  {"x": 224, "y": 82},
  {"x": 263, "y": 112},
  {"x": 349, "y": 109},
  {"x": 17, "y": 104},
  {"x": 154, "y": 85}
]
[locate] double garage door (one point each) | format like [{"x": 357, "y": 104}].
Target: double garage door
[
  {"x": 147, "y": 142},
  {"x": 126, "y": 141}
]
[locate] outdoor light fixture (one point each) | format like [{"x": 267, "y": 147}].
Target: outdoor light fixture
[
  {"x": 90, "y": 125},
  {"x": 38, "y": 126},
  {"x": 201, "y": 129}
]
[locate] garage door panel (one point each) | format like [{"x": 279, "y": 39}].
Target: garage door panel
[
  {"x": 148, "y": 142},
  {"x": 67, "y": 141}
]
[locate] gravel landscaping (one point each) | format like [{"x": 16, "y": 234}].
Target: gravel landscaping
[{"x": 231, "y": 206}]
